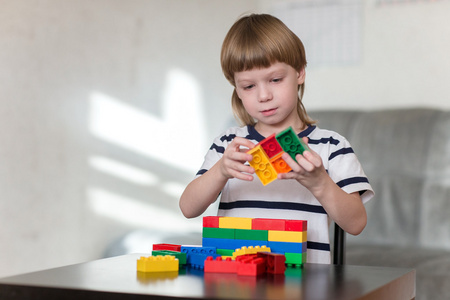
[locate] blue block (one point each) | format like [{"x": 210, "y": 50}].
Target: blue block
[
  {"x": 191, "y": 251},
  {"x": 283, "y": 247},
  {"x": 198, "y": 249}
]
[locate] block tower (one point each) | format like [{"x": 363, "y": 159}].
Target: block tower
[{"x": 288, "y": 237}]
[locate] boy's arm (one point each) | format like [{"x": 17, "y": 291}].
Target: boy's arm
[
  {"x": 347, "y": 210},
  {"x": 204, "y": 190}
]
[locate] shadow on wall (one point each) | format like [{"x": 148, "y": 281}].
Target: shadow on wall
[{"x": 134, "y": 195}]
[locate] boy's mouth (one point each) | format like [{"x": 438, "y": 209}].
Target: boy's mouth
[{"x": 268, "y": 112}]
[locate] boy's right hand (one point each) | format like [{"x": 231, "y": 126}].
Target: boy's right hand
[{"x": 234, "y": 158}]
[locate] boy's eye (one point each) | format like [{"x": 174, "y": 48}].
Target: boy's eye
[{"x": 276, "y": 79}]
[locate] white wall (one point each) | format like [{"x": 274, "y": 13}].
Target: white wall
[
  {"x": 90, "y": 98},
  {"x": 93, "y": 95},
  {"x": 404, "y": 58}
]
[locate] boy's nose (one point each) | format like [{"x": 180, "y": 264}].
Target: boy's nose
[{"x": 264, "y": 94}]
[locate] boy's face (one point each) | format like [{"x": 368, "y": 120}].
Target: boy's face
[{"x": 270, "y": 94}]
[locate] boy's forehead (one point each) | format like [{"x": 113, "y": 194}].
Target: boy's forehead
[{"x": 274, "y": 68}]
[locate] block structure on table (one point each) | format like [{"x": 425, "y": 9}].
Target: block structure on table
[
  {"x": 288, "y": 237},
  {"x": 267, "y": 160}
]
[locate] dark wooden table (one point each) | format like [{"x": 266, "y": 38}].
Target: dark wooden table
[{"x": 117, "y": 278}]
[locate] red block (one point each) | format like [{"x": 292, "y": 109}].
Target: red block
[
  {"x": 296, "y": 225},
  {"x": 271, "y": 146},
  {"x": 268, "y": 224},
  {"x": 251, "y": 265},
  {"x": 220, "y": 266},
  {"x": 275, "y": 262},
  {"x": 211, "y": 221},
  {"x": 171, "y": 247}
]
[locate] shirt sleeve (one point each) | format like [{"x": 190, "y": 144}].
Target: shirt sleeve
[{"x": 346, "y": 170}]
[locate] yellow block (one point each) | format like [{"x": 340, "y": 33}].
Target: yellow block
[
  {"x": 287, "y": 236},
  {"x": 250, "y": 250},
  {"x": 263, "y": 168},
  {"x": 235, "y": 223},
  {"x": 157, "y": 263}
]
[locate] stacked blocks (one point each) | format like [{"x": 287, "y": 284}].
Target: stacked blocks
[
  {"x": 267, "y": 160},
  {"x": 288, "y": 237},
  {"x": 245, "y": 246}
]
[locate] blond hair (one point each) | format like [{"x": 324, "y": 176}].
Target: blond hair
[{"x": 258, "y": 41}]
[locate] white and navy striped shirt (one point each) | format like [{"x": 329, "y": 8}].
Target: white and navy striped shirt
[{"x": 287, "y": 199}]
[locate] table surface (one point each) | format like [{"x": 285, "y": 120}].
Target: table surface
[{"x": 117, "y": 278}]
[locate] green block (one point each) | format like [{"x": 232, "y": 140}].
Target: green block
[
  {"x": 218, "y": 233},
  {"x": 256, "y": 235},
  {"x": 225, "y": 252},
  {"x": 290, "y": 143},
  {"x": 295, "y": 259},
  {"x": 181, "y": 256}
]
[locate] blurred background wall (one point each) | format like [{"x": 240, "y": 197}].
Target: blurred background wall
[{"x": 107, "y": 107}]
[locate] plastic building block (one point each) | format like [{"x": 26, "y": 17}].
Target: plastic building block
[
  {"x": 235, "y": 223},
  {"x": 251, "y": 265},
  {"x": 287, "y": 236},
  {"x": 246, "y": 234},
  {"x": 220, "y": 233},
  {"x": 283, "y": 247},
  {"x": 157, "y": 264},
  {"x": 263, "y": 168},
  {"x": 268, "y": 224},
  {"x": 198, "y": 249},
  {"x": 225, "y": 252},
  {"x": 181, "y": 256},
  {"x": 290, "y": 142},
  {"x": 295, "y": 259},
  {"x": 196, "y": 255},
  {"x": 211, "y": 221},
  {"x": 171, "y": 247},
  {"x": 279, "y": 164},
  {"x": 231, "y": 243},
  {"x": 220, "y": 265},
  {"x": 250, "y": 250},
  {"x": 296, "y": 225},
  {"x": 275, "y": 262},
  {"x": 271, "y": 146}
]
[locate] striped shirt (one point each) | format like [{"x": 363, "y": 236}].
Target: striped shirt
[{"x": 287, "y": 199}]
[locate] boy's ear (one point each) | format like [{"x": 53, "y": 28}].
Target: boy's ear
[{"x": 301, "y": 76}]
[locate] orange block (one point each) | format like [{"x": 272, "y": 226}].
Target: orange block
[{"x": 279, "y": 164}]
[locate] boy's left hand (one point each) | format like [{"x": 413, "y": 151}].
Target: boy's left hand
[{"x": 308, "y": 170}]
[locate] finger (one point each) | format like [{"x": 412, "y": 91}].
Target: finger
[
  {"x": 291, "y": 162},
  {"x": 241, "y": 176},
  {"x": 241, "y": 156},
  {"x": 304, "y": 163},
  {"x": 242, "y": 168},
  {"x": 313, "y": 158},
  {"x": 289, "y": 175},
  {"x": 243, "y": 142}
]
